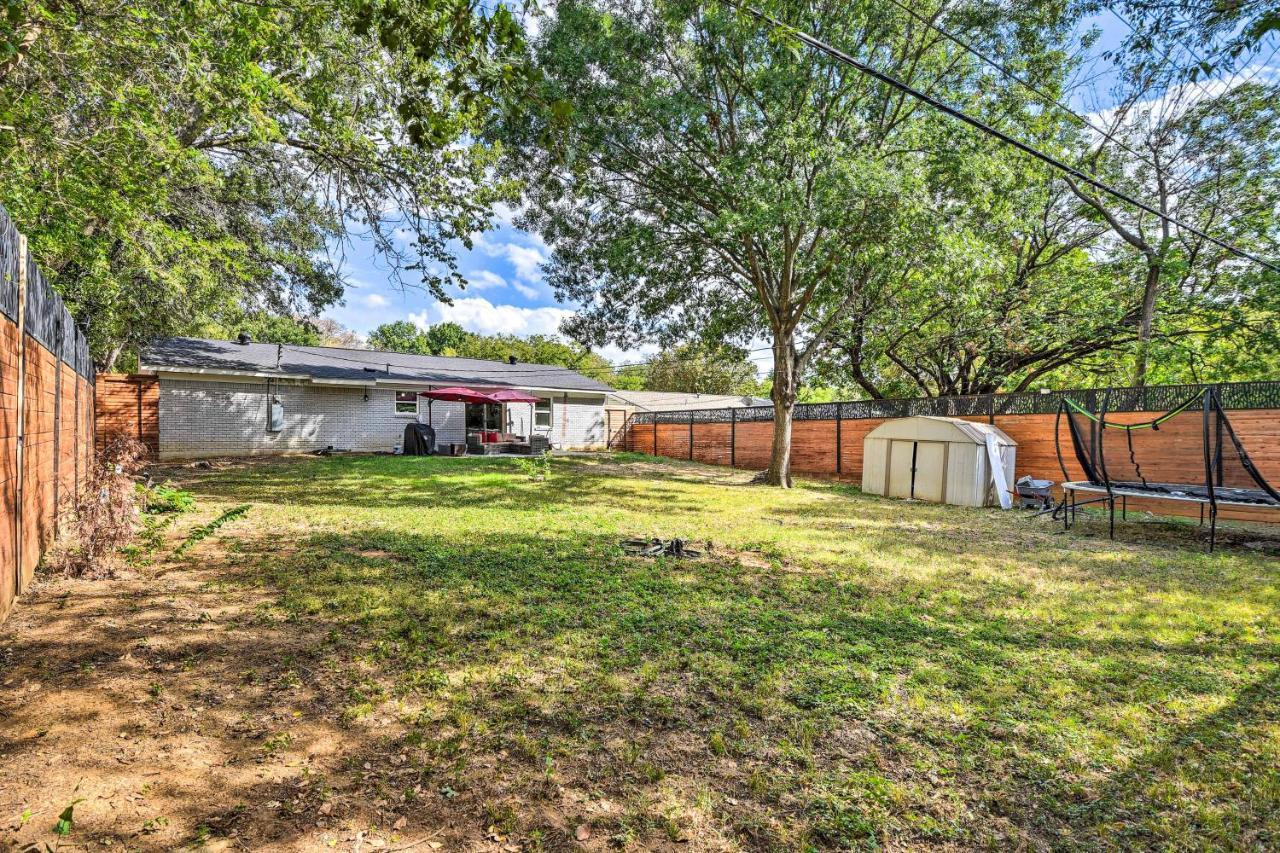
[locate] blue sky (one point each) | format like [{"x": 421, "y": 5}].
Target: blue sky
[{"x": 507, "y": 292}]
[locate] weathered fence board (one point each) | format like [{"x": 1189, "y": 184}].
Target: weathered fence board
[
  {"x": 128, "y": 405},
  {"x": 46, "y": 413}
]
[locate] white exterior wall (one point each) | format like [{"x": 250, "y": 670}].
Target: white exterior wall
[{"x": 201, "y": 418}]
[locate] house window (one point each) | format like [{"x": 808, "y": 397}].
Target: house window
[
  {"x": 542, "y": 413},
  {"x": 406, "y": 403}
]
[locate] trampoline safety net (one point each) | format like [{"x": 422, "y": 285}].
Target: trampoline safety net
[{"x": 1189, "y": 452}]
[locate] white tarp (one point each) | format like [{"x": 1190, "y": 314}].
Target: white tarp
[{"x": 995, "y": 456}]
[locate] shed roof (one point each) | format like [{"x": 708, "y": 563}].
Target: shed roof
[
  {"x": 354, "y": 365},
  {"x": 931, "y": 428}
]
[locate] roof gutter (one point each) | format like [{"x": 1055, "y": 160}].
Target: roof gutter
[{"x": 222, "y": 371}]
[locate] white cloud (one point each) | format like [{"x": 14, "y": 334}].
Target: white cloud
[
  {"x": 617, "y": 355},
  {"x": 477, "y": 314},
  {"x": 484, "y": 280},
  {"x": 481, "y": 315},
  {"x": 421, "y": 319},
  {"x": 375, "y": 300},
  {"x": 526, "y": 291},
  {"x": 526, "y": 260}
]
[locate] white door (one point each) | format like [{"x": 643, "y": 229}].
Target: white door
[{"x": 916, "y": 470}]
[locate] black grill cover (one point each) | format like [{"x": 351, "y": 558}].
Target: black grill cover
[{"x": 419, "y": 440}]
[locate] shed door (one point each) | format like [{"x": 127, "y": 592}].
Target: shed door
[
  {"x": 931, "y": 470},
  {"x": 917, "y": 469}
]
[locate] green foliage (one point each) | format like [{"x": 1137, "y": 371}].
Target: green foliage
[
  {"x": 450, "y": 339},
  {"x": 178, "y": 164},
  {"x": 400, "y": 336},
  {"x": 168, "y": 499},
  {"x": 707, "y": 177},
  {"x": 446, "y": 338},
  {"x": 702, "y": 370},
  {"x": 271, "y": 329},
  {"x": 66, "y": 820},
  {"x": 204, "y": 531},
  {"x": 537, "y": 467}
]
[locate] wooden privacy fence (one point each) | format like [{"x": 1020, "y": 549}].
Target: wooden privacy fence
[
  {"x": 128, "y": 405},
  {"x": 826, "y": 438},
  {"x": 46, "y": 412}
]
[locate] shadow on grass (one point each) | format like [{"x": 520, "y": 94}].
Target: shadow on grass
[
  {"x": 563, "y": 642},
  {"x": 398, "y": 482},
  {"x": 509, "y": 683}
]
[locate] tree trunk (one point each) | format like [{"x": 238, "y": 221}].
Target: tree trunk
[
  {"x": 785, "y": 389},
  {"x": 1146, "y": 321},
  {"x": 113, "y": 355}
]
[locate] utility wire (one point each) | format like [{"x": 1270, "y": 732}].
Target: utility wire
[
  {"x": 1026, "y": 84},
  {"x": 942, "y": 106},
  {"x": 378, "y": 365},
  {"x": 1049, "y": 99}
]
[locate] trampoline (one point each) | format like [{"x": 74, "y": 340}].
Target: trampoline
[{"x": 1190, "y": 453}]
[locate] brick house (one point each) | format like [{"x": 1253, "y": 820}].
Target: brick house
[{"x": 215, "y": 398}]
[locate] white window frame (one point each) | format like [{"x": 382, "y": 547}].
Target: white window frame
[
  {"x": 550, "y": 413},
  {"x": 396, "y": 403}
]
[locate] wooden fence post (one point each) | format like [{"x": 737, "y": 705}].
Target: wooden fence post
[
  {"x": 57, "y": 426},
  {"x": 733, "y": 438},
  {"x": 839, "y": 423},
  {"x": 21, "y": 411},
  {"x": 79, "y": 422}
]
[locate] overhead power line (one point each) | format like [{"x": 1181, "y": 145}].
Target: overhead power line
[
  {"x": 1047, "y": 98},
  {"x": 1022, "y": 81},
  {"x": 943, "y": 107},
  {"x": 516, "y": 370}
]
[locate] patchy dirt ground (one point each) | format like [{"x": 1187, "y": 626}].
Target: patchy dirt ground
[{"x": 175, "y": 711}]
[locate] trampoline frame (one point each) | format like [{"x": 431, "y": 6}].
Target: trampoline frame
[{"x": 1110, "y": 491}]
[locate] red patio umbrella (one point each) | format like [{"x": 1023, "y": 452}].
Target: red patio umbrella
[
  {"x": 456, "y": 394},
  {"x": 511, "y": 395}
]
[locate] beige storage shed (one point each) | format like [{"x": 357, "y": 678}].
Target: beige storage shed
[{"x": 942, "y": 460}]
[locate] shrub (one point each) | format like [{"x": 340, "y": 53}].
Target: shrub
[
  {"x": 536, "y": 467},
  {"x": 165, "y": 498},
  {"x": 102, "y": 515}
]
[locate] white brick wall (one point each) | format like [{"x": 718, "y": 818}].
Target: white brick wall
[{"x": 213, "y": 418}]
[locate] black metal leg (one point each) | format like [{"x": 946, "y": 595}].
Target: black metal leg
[
  {"x": 1124, "y": 507},
  {"x": 1111, "y": 506},
  {"x": 1213, "y": 528}
]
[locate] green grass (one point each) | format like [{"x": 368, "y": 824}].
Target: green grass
[{"x": 840, "y": 671}]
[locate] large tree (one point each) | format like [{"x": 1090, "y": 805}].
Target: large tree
[
  {"x": 181, "y": 162},
  {"x": 702, "y": 370},
  {"x": 711, "y": 176},
  {"x": 1004, "y": 291},
  {"x": 1207, "y": 160},
  {"x": 400, "y": 336}
]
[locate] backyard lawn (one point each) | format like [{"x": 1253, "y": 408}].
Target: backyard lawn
[{"x": 414, "y": 653}]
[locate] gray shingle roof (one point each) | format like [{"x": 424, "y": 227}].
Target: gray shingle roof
[{"x": 335, "y": 363}]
